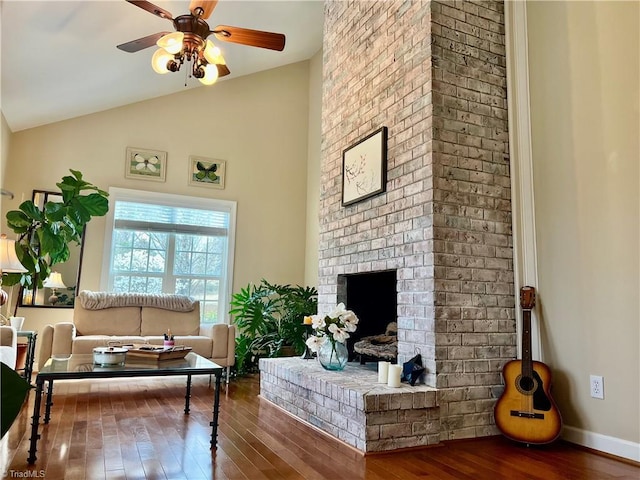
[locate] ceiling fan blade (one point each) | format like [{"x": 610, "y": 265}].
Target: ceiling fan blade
[
  {"x": 150, "y": 7},
  {"x": 223, "y": 70},
  {"x": 141, "y": 43},
  {"x": 207, "y": 7},
  {"x": 254, "y": 38}
]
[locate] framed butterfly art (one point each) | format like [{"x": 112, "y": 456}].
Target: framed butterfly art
[
  {"x": 206, "y": 172},
  {"x": 145, "y": 164}
]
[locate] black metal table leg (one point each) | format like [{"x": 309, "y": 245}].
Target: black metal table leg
[
  {"x": 35, "y": 420},
  {"x": 31, "y": 352},
  {"x": 216, "y": 411},
  {"x": 187, "y": 396},
  {"x": 47, "y": 411}
]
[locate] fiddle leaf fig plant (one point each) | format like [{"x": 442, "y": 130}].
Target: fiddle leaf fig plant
[{"x": 45, "y": 235}]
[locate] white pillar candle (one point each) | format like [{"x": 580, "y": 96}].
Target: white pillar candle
[
  {"x": 394, "y": 376},
  {"x": 383, "y": 372}
]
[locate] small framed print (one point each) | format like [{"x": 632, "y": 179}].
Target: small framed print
[
  {"x": 364, "y": 168},
  {"x": 206, "y": 172},
  {"x": 145, "y": 164}
]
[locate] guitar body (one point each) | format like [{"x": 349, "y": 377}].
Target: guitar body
[{"x": 526, "y": 411}]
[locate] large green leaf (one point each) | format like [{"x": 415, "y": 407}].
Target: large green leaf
[
  {"x": 54, "y": 212},
  {"x": 18, "y": 221},
  {"x": 25, "y": 258},
  {"x": 14, "y": 392},
  {"x": 50, "y": 242},
  {"x": 31, "y": 210},
  {"x": 95, "y": 204},
  {"x": 60, "y": 256},
  {"x": 80, "y": 213}
]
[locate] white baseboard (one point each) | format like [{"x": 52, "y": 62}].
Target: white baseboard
[{"x": 612, "y": 445}]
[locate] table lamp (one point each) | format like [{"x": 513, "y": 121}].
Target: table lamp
[
  {"x": 9, "y": 263},
  {"x": 54, "y": 281}
]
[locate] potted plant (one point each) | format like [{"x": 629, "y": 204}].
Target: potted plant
[
  {"x": 44, "y": 234},
  {"x": 14, "y": 392},
  {"x": 269, "y": 318}
]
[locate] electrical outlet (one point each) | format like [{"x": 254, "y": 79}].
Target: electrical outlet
[{"x": 597, "y": 386}]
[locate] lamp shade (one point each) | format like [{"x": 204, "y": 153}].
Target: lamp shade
[
  {"x": 213, "y": 54},
  {"x": 210, "y": 74},
  {"x": 159, "y": 61},
  {"x": 9, "y": 262},
  {"x": 172, "y": 42},
  {"x": 54, "y": 280}
]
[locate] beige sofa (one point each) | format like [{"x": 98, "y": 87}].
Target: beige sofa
[
  {"x": 102, "y": 317},
  {"x": 8, "y": 345}
]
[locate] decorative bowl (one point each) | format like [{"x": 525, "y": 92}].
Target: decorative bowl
[{"x": 107, "y": 356}]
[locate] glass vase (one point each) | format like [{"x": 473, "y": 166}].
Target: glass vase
[{"x": 333, "y": 355}]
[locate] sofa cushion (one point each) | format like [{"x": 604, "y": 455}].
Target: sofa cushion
[
  {"x": 111, "y": 321},
  {"x": 156, "y": 321}
]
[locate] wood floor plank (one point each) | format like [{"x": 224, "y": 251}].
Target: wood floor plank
[{"x": 136, "y": 429}]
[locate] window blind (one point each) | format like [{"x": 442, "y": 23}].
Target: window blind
[{"x": 162, "y": 218}]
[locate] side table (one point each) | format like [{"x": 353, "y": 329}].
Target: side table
[{"x": 30, "y": 335}]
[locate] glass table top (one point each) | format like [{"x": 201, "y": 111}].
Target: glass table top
[
  {"x": 25, "y": 333},
  {"x": 82, "y": 365}
]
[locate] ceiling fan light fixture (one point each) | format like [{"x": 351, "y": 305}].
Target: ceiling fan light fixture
[
  {"x": 171, "y": 42},
  {"x": 188, "y": 44},
  {"x": 160, "y": 61},
  {"x": 210, "y": 74},
  {"x": 213, "y": 54}
]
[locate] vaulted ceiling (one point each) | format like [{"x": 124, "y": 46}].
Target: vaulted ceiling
[{"x": 59, "y": 58}]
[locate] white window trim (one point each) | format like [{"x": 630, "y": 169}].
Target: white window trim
[
  {"x": 172, "y": 200},
  {"x": 521, "y": 165}
]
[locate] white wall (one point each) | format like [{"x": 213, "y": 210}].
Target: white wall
[
  {"x": 5, "y": 142},
  {"x": 583, "y": 62},
  {"x": 257, "y": 123}
]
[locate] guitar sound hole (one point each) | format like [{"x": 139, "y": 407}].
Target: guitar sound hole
[{"x": 525, "y": 385}]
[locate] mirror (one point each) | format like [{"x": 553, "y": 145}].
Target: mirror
[{"x": 61, "y": 287}]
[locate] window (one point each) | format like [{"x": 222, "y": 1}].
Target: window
[{"x": 161, "y": 243}]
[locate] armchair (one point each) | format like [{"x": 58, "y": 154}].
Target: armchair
[{"x": 8, "y": 346}]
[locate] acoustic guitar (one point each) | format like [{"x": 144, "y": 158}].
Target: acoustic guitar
[{"x": 526, "y": 412}]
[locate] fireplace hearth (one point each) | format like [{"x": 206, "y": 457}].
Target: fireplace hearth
[{"x": 351, "y": 406}]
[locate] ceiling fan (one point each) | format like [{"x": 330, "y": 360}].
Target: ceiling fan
[{"x": 190, "y": 43}]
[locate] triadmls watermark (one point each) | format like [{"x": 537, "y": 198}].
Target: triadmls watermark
[{"x": 26, "y": 473}]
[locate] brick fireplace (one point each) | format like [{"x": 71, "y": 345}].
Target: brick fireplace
[{"x": 434, "y": 73}]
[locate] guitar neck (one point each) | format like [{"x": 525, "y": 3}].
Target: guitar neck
[{"x": 527, "y": 361}]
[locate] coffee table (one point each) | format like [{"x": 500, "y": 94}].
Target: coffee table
[{"x": 79, "y": 366}]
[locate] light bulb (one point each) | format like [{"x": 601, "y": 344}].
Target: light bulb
[
  {"x": 160, "y": 60},
  {"x": 172, "y": 42},
  {"x": 213, "y": 54},
  {"x": 210, "y": 74}
]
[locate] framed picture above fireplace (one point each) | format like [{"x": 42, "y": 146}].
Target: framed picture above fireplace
[{"x": 364, "y": 168}]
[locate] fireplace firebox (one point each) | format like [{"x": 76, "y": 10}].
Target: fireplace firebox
[{"x": 373, "y": 298}]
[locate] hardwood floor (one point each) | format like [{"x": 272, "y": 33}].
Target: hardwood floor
[{"x": 136, "y": 429}]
